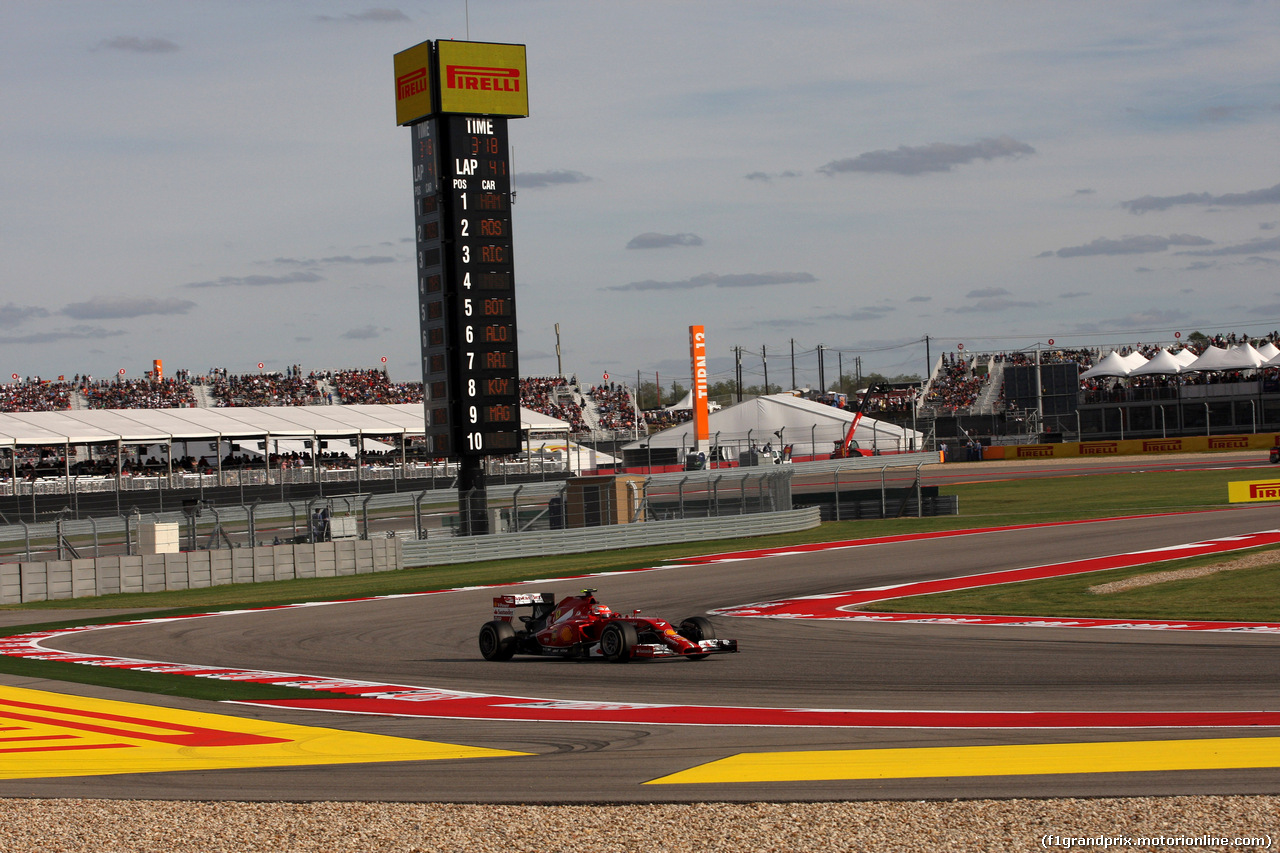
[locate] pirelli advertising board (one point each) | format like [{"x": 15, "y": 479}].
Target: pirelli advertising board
[
  {"x": 414, "y": 97},
  {"x": 461, "y": 78},
  {"x": 1135, "y": 447},
  {"x": 456, "y": 97},
  {"x": 1253, "y": 491}
]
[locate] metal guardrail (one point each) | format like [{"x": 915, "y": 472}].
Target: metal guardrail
[{"x": 467, "y": 549}]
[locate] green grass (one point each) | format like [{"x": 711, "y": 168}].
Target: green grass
[
  {"x": 1072, "y": 497},
  {"x": 1237, "y": 596},
  {"x": 155, "y": 682},
  {"x": 1243, "y": 595}
]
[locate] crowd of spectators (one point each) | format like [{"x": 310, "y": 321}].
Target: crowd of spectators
[
  {"x": 556, "y": 397},
  {"x": 656, "y": 419},
  {"x": 955, "y": 386},
  {"x": 373, "y": 386},
  {"x": 36, "y": 395},
  {"x": 613, "y": 402},
  {"x": 290, "y": 388},
  {"x": 145, "y": 393}
]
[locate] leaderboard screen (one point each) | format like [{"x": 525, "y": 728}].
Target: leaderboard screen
[
  {"x": 466, "y": 285},
  {"x": 430, "y": 227}
]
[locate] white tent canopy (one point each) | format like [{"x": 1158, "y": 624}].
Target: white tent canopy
[
  {"x": 812, "y": 428},
  {"x": 1161, "y": 364},
  {"x": 1113, "y": 364},
  {"x": 1213, "y": 358},
  {"x": 1135, "y": 360},
  {"x": 686, "y": 404},
  {"x": 577, "y": 457},
  {"x": 1245, "y": 357},
  {"x": 152, "y": 426}
]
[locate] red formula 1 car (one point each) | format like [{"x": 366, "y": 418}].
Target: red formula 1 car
[{"x": 581, "y": 627}]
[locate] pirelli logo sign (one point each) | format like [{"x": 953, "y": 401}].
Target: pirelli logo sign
[
  {"x": 1035, "y": 451},
  {"x": 1252, "y": 491},
  {"x": 480, "y": 78},
  {"x": 1162, "y": 445},
  {"x": 1232, "y": 442},
  {"x": 461, "y": 77},
  {"x": 414, "y": 98},
  {"x": 1099, "y": 448}
]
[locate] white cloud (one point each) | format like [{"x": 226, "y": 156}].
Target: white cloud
[{"x": 935, "y": 157}]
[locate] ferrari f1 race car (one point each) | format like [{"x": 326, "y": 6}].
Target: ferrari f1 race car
[{"x": 581, "y": 627}]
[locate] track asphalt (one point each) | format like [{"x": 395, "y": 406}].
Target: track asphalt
[{"x": 813, "y": 708}]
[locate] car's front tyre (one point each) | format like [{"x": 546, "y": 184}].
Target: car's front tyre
[{"x": 695, "y": 629}]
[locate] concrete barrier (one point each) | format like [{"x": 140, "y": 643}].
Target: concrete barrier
[{"x": 68, "y": 579}]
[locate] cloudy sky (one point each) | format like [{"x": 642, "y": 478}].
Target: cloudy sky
[{"x": 219, "y": 183}]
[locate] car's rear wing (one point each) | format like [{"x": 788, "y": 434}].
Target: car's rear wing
[{"x": 504, "y": 606}]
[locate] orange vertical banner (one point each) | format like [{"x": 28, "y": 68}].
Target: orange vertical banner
[{"x": 698, "y": 357}]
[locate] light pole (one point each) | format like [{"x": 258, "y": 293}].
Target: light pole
[{"x": 559, "y": 367}]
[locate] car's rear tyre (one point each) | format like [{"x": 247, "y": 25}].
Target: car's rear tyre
[
  {"x": 697, "y": 628},
  {"x": 497, "y": 640},
  {"x": 617, "y": 641}
]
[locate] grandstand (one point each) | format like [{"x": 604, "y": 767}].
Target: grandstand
[{"x": 1002, "y": 395}]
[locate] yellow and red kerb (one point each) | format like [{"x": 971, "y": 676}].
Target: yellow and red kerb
[{"x": 46, "y": 735}]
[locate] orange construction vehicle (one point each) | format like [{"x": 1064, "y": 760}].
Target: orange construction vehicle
[{"x": 847, "y": 447}]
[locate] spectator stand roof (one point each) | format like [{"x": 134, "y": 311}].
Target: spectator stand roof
[{"x": 149, "y": 426}]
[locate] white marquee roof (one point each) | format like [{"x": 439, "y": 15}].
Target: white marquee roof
[
  {"x": 802, "y": 421},
  {"x": 138, "y": 426},
  {"x": 1113, "y": 364},
  {"x": 1162, "y": 363}
]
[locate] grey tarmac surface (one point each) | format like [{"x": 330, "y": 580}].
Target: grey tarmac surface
[{"x": 429, "y": 641}]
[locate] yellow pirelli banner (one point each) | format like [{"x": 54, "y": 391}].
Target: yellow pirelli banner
[
  {"x": 1250, "y": 491},
  {"x": 480, "y": 78},
  {"x": 1135, "y": 447},
  {"x": 461, "y": 77},
  {"x": 414, "y": 98}
]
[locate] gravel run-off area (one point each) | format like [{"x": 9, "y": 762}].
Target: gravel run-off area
[
  {"x": 1139, "y": 823},
  {"x": 1250, "y": 561}
]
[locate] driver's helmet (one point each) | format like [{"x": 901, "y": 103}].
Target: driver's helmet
[{"x": 600, "y": 609}]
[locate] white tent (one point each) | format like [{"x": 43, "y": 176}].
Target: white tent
[
  {"x": 1135, "y": 360},
  {"x": 151, "y": 426},
  {"x": 782, "y": 419},
  {"x": 1268, "y": 351},
  {"x": 1214, "y": 358},
  {"x": 686, "y": 404},
  {"x": 1161, "y": 364},
  {"x": 1113, "y": 364},
  {"x": 577, "y": 457},
  {"x": 1245, "y": 357}
]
